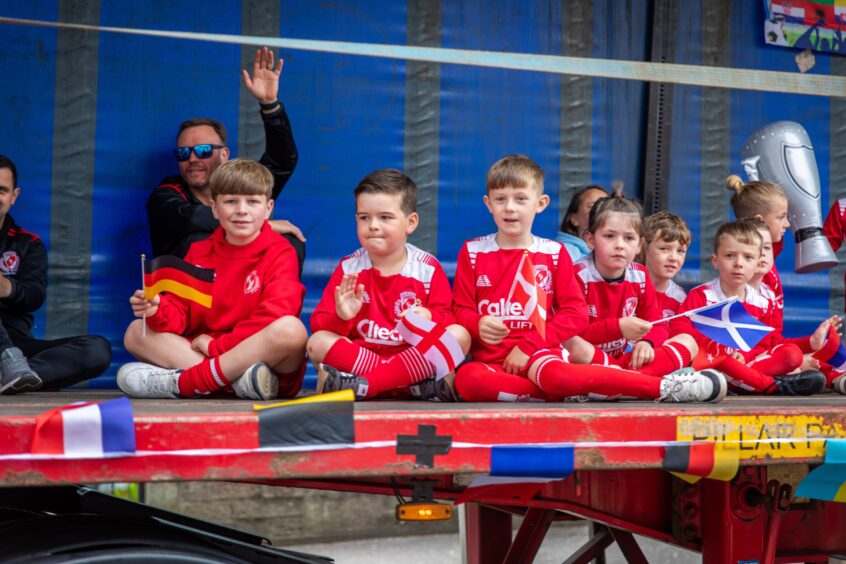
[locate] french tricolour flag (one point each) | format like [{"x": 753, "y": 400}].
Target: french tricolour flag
[
  {"x": 729, "y": 324},
  {"x": 434, "y": 342},
  {"x": 86, "y": 430}
]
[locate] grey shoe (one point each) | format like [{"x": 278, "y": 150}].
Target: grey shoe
[
  {"x": 142, "y": 380},
  {"x": 17, "y": 376},
  {"x": 258, "y": 382},
  {"x": 688, "y": 385},
  {"x": 330, "y": 379},
  {"x": 436, "y": 390},
  {"x": 839, "y": 384}
]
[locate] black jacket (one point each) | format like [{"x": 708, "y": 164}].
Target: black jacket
[
  {"x": 23, "y": 260},
  {"x": 177, "y": 218}
]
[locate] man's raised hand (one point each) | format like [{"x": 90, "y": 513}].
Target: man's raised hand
[{"x": 264, "y": 84}]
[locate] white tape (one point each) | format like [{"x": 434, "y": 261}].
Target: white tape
[{"x": 692, "y": 75}]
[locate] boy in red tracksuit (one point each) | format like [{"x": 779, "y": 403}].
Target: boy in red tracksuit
[
  {"x": 767, "y": 367},
  {"x": 251, "y": 336},
  {"x": 355, "y": 344},
  {"x": 512, "y": 361}
]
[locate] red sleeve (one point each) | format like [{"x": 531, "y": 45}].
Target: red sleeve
[
  {"x": 833, "y": 226},
  {"x": 325, "y": 316},
  {"x": 682, "y": 325},
  {"x": 598, "y": 330},
  {"x": 464, "y": 295},
  {"x": 570, "y": 317},
  {"x": 440, "y": 298},
  {"x": 281, "y": 295},
  {"x": 171, "y": 317},
  {"x": 649, "y": 310}
]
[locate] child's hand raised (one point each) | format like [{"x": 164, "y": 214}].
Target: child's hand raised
[
  {"x": 141, "y": 307},
  {"x": 492, "y": 330},
  {"x": 817, "y": 339},
  {"x": 633, "y": 328},
  {"x": 348, "y": 297},
  {"x": 515, "y": 361}
]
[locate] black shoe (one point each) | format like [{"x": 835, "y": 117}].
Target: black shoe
[
  {"x": 436, "y": 390},
  {"x": 805, "y": 383},
  {"x": 330, "y": 379}
]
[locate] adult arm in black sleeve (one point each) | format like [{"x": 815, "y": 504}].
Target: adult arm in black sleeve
[
  {"x": 176, "y": 219},
  {"x": 29, "y": 284},
  {"x": 280, "y": 153}
]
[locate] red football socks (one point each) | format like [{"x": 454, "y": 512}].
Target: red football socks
[
  {"x": 401, "y": 370},
  {"x": 347, "y": 356},
  {"x": 202, "y": 378},
  {"x": 562, "y": 379},
  {"x": 743, "y": 377},
  {"x": 781, "y": 359},
  {"x": 669, "y": 357},
  {"x": 476, "y": 381}
]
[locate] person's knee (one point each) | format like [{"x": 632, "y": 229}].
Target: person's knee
[
  {"x": 132, "y": 336},
  {"x": 319, "y": 344},
  {"x": 288, "y": 331},
  {"x": 687, "y": 341},
  {"x": 581, "y": 352},
  {"x": 461, "y": 335}
]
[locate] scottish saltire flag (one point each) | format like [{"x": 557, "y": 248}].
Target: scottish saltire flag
[
  {"x": 729, "y": 324},
  {"x": 833, "y": 352},
  {"x": 828, "y": 482},
  {"x": 520, "y": 472},
  {"x": 434, "y": 342},
  {"x": 526, "y": 292},
  {"x": 86, "y": 430}
]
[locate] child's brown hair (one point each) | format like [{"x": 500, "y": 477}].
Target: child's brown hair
[
  {"x": 615, "y": 203},
  {"x": 573, "y": 209},
  {"x": 743, "y": 231},
  {"x": 752, "y": 198},
  {"x": 515, "y": 171},
  {"x": 241, "y": 177},
  {"x": 668, "y": 225},
  {"x": 390, "y": 181}
]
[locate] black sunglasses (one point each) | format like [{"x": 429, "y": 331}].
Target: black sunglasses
[{"x": 203, "y": 151}]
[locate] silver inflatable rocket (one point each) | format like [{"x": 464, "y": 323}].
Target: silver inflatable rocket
[{"x": 782, "y": 153}]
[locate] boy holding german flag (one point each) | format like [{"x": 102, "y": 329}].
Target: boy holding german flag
[{"x": 229, "y": 314}]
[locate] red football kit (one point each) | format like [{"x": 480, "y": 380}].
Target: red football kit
[
  {"x": 484, "y": 279},
  {"x": 670, "y": 300},
  {"x": 372, "y": 337},
  {"x": 768, "y": 358},
  {"x": 254, "y": 285}
]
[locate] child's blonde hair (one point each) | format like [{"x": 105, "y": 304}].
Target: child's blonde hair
[
  {"x": 241, "y": 177},
  {"x": 741, "y": 230},
  {"x": 615, "y": 203},
  {"x": 515, "y": 171},
  {"x": 752, "y": 198}
]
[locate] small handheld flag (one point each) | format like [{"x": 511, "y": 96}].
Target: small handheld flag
[
  {"x": 729, "y": 324},
  {"x": 435, "y": 343},
  {"x": 86, "y": 430},
  {"x": 172, "y": 274},
  {"x": 526, "y": 292},
  {"x": 833, "y": 352}
]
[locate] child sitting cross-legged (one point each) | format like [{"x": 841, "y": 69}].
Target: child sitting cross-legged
[
  {"x": 768, "y": 367},
  {"x": 666, "y": 238},
  {"x": 513, "y": 358},
  {"x": 355, "y": 344},
  {"x": 250, "y": 337}
]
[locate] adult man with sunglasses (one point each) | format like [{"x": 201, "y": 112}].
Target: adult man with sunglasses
[
  {"x": 179, "y": 210},
  {"x": 26, "y": 363}
]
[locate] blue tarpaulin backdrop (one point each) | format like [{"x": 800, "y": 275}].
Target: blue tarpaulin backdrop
[{"x": 98, "y": 113}]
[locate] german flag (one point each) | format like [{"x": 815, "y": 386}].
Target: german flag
[
  {"x": 172, "y": 274},
  {"x": 325, "y": 419},
  {"x": 692, "y": 461}
]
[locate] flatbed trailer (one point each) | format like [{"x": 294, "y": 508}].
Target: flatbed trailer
[{"x": 411, "y": 447}]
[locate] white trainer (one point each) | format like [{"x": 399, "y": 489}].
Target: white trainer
[
  {"x": 258, "y": 382},
  {"x": 688, "y": 385},
  {"x": 839, "y": 384},
  {"x": 142, "y": 380}
]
